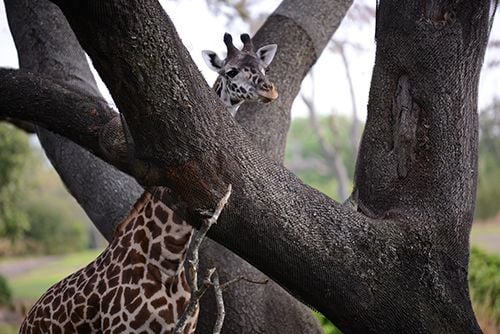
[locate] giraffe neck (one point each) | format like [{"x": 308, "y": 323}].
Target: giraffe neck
[
  {"x": 156, "y": 234},
  {"x": 138, "y": 284},
  {"x": 231, "y": 102}
]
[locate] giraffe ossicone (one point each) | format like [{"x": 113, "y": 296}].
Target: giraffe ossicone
[{"x": 242, "y": 74}]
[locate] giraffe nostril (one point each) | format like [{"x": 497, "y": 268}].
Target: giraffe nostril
[{"x": 267, "y": 86}]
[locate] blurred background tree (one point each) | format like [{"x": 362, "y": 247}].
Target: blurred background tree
[
  {"x": 488, "y": 194},
  {"x": 15, "y": 157},
  {"x": 37, "y": 216}
]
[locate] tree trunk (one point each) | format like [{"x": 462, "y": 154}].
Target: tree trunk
[{"x": 397, "y": 266}]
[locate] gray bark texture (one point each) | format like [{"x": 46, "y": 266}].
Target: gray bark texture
[
  {"x": 396, "y": 265},
  {"x": 46, "y": 45}
]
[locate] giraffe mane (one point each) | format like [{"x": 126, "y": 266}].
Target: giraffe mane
[{"x": 136, "y": 208}]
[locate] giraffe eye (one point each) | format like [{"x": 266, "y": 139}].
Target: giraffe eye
[{"x": 232, "y": 73}]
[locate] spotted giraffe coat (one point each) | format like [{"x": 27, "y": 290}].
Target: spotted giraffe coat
[{"x": 137, "y": 285}]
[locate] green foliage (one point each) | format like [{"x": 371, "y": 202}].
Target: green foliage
[
  {"x": 35, "y": 210},
  {"x": 8, "y": 329},
  {"x": 484, "y": 282},
  {"x": 5, "y": 292},
  {"x": 57, "y": 224},
  {"x": 54, "y": 227},
  {"x": 327, "y": 326},
  {"x": 15, "y": 156},
  {"x": 489, "y": 164},
  {"x": 14, "y": 149},
  {"x": 488, "y": 192},
  {"x": 303, "y": 145}
]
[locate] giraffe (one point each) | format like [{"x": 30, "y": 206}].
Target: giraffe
[
  {"x": 242, "y": 75},
  {"x": 137, "y": 285}
]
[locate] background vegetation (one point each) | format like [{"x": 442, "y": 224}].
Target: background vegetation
[{"x": 36, "y": 214}]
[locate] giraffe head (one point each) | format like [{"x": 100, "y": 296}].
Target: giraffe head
[{"x": 242, "y": 75}]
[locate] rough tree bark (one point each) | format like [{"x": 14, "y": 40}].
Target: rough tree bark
[
  {"x": 46, "y": 45},
  {"x": 397, "y": 266}
]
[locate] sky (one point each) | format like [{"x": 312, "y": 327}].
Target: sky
[{"x": 201, "y": 29}]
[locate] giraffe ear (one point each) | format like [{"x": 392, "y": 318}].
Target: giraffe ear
[
  {"x": 213, "y": 61},
  {"x": 266, "y": 53}
]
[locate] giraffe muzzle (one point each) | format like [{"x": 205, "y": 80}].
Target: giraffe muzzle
[{"x": 267, "y": 93}]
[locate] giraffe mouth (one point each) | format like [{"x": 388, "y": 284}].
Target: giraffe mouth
[{"x": 267, "y": 96}]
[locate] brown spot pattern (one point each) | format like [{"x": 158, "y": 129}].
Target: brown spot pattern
[{"x": 113, "y": 292}]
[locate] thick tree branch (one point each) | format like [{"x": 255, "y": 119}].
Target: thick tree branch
[
  {"x": 28, "y": 127},
  {"x": 54, "y": 106},
  {"x": 85, "y": 119}
]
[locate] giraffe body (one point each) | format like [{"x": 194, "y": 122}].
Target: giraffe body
[
  {"x": 242, "y": 75},
  {"x": 137, "y": 285}
]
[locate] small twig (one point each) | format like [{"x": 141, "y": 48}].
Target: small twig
[
  {"x": 222, "y": 203},
  {"x": 211, "y": 279},
  {"x": 193, "y": 303},
  {"x": 221, "y": 312}
]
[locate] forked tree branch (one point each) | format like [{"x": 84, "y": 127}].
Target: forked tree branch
[{"x": 85, "y": 119}]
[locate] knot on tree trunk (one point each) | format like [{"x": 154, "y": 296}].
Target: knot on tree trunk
[
  {"x": 405, "y": 113},
  {"x": 113, "y": 141}
]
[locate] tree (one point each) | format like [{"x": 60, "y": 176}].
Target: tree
[
  {"x": 14, "y": 159},
  {"x": 396, "y": 264},
  {"x": 489, "y": 159}
]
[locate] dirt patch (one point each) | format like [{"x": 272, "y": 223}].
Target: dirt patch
[{"x": 15, "y": 268}]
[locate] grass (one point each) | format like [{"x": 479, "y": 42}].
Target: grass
[
  {"x": 33, "y": 284},
  {"x": 8, "y": 329}
]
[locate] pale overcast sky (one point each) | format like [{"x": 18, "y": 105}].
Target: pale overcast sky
[{"x": 200, "y": 29}]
